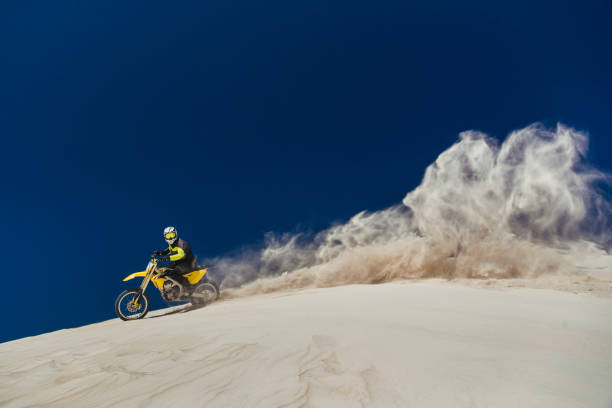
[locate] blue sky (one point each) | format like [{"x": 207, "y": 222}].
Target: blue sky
[{"x": 229, "y": 119}]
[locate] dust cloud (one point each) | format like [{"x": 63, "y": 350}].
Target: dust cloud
[{"x": 527, "y": 207}]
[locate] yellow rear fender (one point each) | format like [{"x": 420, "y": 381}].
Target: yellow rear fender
[
  {"x": 195, "y": 276},
  {"x": 135, "y": 275}
]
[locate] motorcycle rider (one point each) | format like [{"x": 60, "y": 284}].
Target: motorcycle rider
[{"x": 179, "y": 253}]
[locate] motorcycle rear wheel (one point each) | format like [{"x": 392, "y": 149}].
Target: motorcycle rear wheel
[
  {"x": 127, "y": 310},
  {"x": 209, "y": 289}
]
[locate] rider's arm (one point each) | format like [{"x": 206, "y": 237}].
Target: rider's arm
[
  {"x": 177, "y": 254},
  {"x": 165, "y": 251}
]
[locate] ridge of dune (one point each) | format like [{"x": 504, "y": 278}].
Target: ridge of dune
[{"x": 427, "y": 344}]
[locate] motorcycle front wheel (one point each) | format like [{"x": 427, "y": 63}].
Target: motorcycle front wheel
[{"x": 126, "y": 307}]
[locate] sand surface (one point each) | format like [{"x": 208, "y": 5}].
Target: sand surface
[{"x": 429, "y": 344}]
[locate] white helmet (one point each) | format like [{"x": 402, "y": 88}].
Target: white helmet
[{"x": 170, "y": 235}]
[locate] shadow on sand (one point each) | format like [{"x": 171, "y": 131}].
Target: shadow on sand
[{"x": 176, "y": 309}]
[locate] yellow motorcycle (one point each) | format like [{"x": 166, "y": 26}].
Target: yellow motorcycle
[{"x": 133, "y": 304}]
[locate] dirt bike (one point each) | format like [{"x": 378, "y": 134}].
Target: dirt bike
[{"x": 133, "y": 304}]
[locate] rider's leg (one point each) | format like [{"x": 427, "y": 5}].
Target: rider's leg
[{"x": 176, "y": 273}]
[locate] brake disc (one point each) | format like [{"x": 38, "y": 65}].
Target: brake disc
[{"x": 132, "y": 307}]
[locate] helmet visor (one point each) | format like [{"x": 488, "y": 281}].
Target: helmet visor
[{"x": 170, "y": 235}]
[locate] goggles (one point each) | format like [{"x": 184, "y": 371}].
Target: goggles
[{"x": 170, "y": 235}]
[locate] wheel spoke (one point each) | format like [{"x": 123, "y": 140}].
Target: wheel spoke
[
  {"x": 207, "y": 293},
  {"x": 129, "y": 309}
]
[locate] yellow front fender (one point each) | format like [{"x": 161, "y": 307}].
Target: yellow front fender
[{"x": 135, "y": 275}]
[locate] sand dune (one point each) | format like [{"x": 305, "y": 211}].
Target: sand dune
[{"x": 429, "y": 344}]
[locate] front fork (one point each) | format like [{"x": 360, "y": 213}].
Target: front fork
[{"x": 143, "y": 285}]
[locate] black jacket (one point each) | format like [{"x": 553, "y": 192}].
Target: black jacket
[{"x": 181, "y": 256}]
